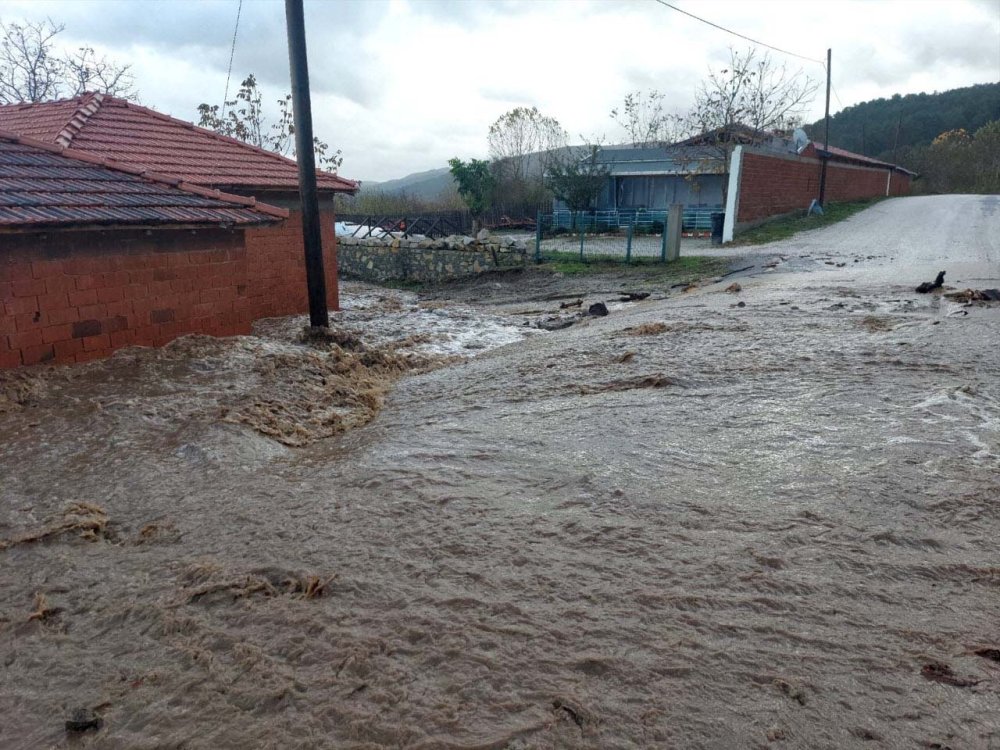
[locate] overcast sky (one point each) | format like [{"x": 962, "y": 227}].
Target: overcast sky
[{"x": 403, "y": 85}]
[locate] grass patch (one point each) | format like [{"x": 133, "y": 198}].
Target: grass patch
[
  {"x": 782, "y": 229},
  {"x": 685, "y": 268}
]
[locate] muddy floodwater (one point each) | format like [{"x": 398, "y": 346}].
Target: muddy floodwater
[{"x": 691, "y": 523}]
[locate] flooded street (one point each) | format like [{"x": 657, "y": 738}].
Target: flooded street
[{"x": 712, "y": 519}]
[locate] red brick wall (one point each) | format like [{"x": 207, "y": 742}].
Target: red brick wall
[
  {"x": 276, "y": 264},
  {"x": 773, "y": 185},
  {"x": 75, "y": 296}
]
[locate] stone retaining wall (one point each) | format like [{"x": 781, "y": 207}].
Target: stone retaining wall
[{"x": 400, "y": 259}]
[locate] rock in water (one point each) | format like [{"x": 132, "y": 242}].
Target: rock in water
[
  {"x": 928, "y": 286},
  {"x": 598, "y": 308},
  {"x": 82, "y": 720}
]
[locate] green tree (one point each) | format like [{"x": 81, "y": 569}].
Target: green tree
[
  {"x": 476, "y": 184},
  {"x": 956, "y": 162},
  {"x": 577, "y": 182},
  {"x": 244, "y": 118},
  {"x": 986, "y": 157}
]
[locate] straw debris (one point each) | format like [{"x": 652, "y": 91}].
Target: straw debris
[
  {"x": 89, "y": 520},
  {"x": 20, "y": 388},
  {"x": 43, "y": 612},
  {"x": 646, "y": 329}
]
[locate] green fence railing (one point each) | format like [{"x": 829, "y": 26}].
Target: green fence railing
[{"x": 624, "y": 235}]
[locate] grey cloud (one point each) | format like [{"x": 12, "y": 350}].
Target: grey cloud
[
  {"x": 969, "y": 44},
  {"x": 202, "y": 32}
]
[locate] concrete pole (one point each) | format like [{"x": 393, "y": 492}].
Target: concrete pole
[
  {"x": 675, "y": 217},
  {"x": 826, "y": 144},
  {"x": 302, "y": 110}
]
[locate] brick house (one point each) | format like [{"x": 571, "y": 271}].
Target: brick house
[
  {"x": 95, "y": 256},
  {"x": 136, "y": 138}
]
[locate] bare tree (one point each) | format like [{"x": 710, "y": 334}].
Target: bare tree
[
  {"x": 753, "y": 91},
  {"x": 244, "y": 118},
  {"x": 521, "y": 143},
  {"x": 644, "y": 119},
  {"x": 519, "y": 133},
  {"x": 32, "y": 69},
  {"x": 746, "y": 103}
]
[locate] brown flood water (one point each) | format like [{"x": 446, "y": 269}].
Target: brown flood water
[{"x": 768, "y": 526}]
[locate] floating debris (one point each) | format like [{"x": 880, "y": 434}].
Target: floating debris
[
  {"x": 975, "y": 295},
  {"x": 929, "y": 286}
]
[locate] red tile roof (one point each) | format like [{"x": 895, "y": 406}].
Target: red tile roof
[
  {"x": 117, "y": 129},
  {"x": 840, "y": 154},
  {"x": 43, "y": 185}
]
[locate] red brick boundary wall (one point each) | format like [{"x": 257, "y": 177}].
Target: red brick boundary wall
[
  {"x": 73, "y": 296},
  {"x": 771, "y": 185}
]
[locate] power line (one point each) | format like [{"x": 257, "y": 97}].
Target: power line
[
  {"x": 232, "y": 53},
  {"x": 735, "y": 33}
]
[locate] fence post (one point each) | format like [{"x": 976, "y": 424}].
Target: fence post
[
  {"x": 628, "y": 245},
  {"x": 663, "y": 238},
  {"x": 538, "y": 237},
  {"x": 673, "y": 243},
  {"x": 581, "y": 243}
]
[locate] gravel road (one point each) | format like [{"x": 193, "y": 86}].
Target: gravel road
[{"x": 915, "y": 237}]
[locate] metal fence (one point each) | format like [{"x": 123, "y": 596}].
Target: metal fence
[{"x": 623, "y": 235}]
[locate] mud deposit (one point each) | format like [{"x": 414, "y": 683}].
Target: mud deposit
[{"x": 686, "y": 524}]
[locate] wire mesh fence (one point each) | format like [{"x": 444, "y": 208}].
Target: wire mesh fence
[{"x": 621, "y": 235}]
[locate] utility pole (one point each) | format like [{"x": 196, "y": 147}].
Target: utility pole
[
  {"x": 895, "y": 140},
  {"x": 826, "y": 144},
  {"x": 302, "y": 110}
]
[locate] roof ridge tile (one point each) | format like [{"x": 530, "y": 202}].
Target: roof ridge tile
[
  {"x": 118, "y": 101},
  {"x": 80, "y": 117}
]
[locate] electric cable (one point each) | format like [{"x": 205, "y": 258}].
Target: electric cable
[
  {"x": 232, "y": 53},
  {"x": 736, "y": 33}
]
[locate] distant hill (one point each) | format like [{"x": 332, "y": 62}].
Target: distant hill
[
  {"x": 427, "y": 185},
  {"x": 430, "y": 184},
  {"x": 869, "y": 128}
]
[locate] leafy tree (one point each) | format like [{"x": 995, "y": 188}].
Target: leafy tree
[
  {"x": 244, "y": 118},
  {"x": 33, "y": 69},
  {"x": 644, "y": 120},
  {"x": 476, "y": 184},
  {"x": 577, "y": 182},
  {"x": 986, "y": 157},
  {"x": 956, "y": 162}
]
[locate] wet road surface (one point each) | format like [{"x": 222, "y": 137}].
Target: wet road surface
[{"x": 688, "y": 524}]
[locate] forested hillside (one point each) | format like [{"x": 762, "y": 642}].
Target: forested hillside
[{"x": 870, "y": 127}]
